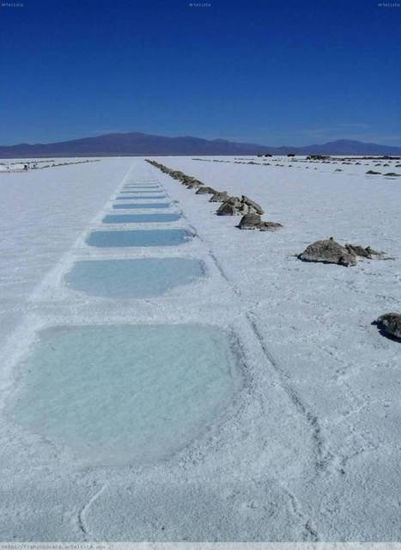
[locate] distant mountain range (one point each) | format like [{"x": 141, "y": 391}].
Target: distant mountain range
[{"x": 139, "y": 144}]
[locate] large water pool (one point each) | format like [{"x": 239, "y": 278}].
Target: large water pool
[
  {"x": 151, "y": 237},
  {"x": 140, "y": 278},
  {"x": 125, "y": 394}
]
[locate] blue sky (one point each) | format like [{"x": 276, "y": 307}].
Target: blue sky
[{"x": 266, "y": 71}]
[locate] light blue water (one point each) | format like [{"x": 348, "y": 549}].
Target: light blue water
[
  {"x": 140, "y": 205},
  {"x": 125, "y": 394},
  {"x": 142, "y": 186},
  {"x": 133, "y": 278},
  {"x": 142, "y": 190},
  {"x": 140, "y": 218},
  {"x": 151, "y": 237},
  {"x": 124, "y": 197},
  {"x": 133, "y": 194}
]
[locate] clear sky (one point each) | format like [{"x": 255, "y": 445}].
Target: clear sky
[{"x": 267, "y": 71}]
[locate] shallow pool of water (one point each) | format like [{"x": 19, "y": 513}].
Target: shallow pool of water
[
  {"x": 133, "y": 278},
  {"x": 140, "y": 218},
  {"x": 125, "y": 197},
  {"x": 151, "y": 237},
  {"x": 142, "y": 190},
  {"x": 142, "y": 186},
  {"x": 125, "y": 394},
  {"x": 140, "y": 205}
]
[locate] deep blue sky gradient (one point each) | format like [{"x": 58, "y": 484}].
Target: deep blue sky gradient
[{"x": 267, "y": 71}]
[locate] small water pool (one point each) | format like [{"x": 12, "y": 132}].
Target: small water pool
[
  {"x": 125, "y": 197},
  {"x": 140, "y": 237},
  {"x": 142, "y": 190},
  {"x": 133, "y": 278},
  {"x": 130, "y": 205},
  {"x": 140, "y": 218},
  {"x": 125, "y": 394},
  {"x": 142, "y": 186}
]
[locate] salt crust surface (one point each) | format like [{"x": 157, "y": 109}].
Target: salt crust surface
[{"x": 309, "y": 448}]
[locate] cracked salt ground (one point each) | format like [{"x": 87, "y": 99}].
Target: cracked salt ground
[{"x": 235, "y": 511}]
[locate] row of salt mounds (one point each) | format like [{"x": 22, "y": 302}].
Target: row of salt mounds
[
  {"x": 324, "y": 251},
  {"x": 231, "y": 206}
]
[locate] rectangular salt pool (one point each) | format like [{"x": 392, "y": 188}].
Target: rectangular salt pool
[
  {"x": 142, "y": 190},
  {"x": 133, "y": 278},
  {"x": 140, "y": 218},
  {"x": 142, "y": 205},
  {"x": 125, "y": 197},
  {"x": 151, "y": 237},
  {"x": 117, "y": 395},
  {"x": 142, "y": 186}
]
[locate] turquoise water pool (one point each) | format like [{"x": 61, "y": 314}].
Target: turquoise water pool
[
  {"x": 140, "y": 205},
  {"x": 142, "y": 186},
  {"x": 151, "y": 237},
  {"x": 125, "y": 197},
  {"x": 142, "y": 190},
  {"x": 119, "y": 395},
  {"x": 140, "y": 278},
  {"x": 140, "y": 218}
]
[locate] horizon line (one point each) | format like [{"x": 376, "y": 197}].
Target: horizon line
[{"x": 282, "y": 146}]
